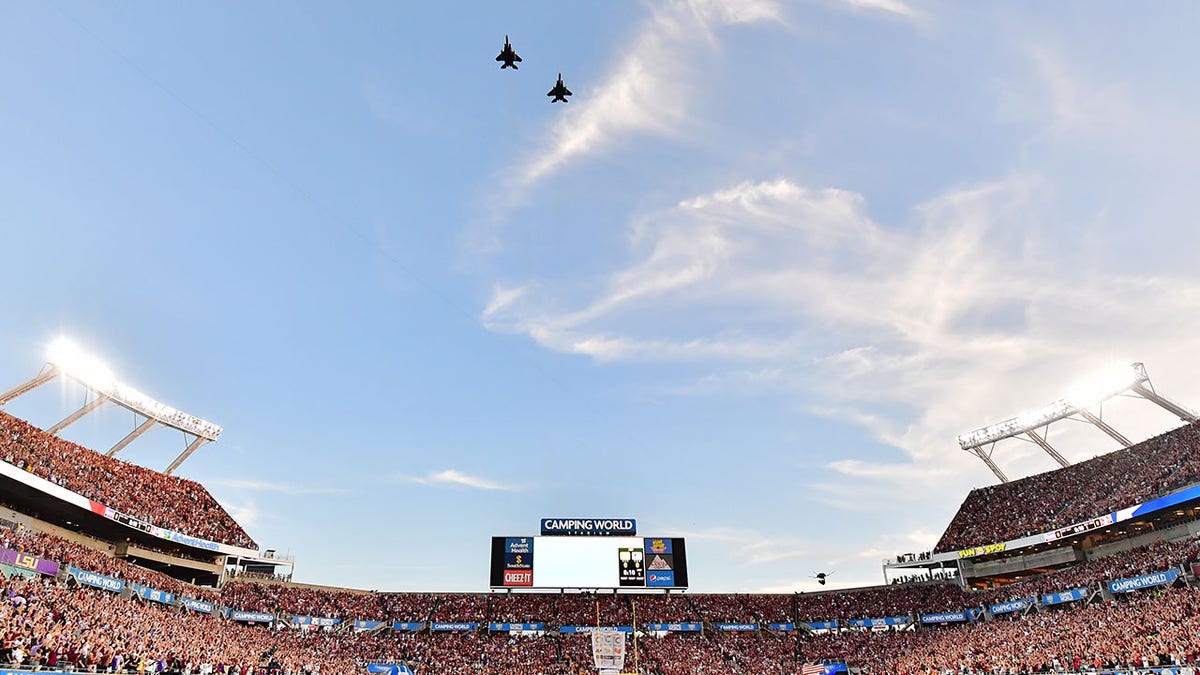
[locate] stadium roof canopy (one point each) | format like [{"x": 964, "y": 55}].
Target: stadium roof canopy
[{"x": 65, "y": 358}]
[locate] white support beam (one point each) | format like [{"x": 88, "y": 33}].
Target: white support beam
[
  {"x": 132, "y": 436},
  {"x": 77, "y": 415},
  {"x": 43, "y": 377},
  {"x": 200, "y": 440}
]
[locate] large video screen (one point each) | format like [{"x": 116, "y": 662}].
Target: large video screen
[{"x": 588, "y": 562}]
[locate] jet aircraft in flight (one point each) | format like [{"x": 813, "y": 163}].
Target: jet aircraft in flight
[
  {"x": 559, "y": 92},
  {"x": 507, "y": 56}
]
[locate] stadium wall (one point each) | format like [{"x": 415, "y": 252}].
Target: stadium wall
[{"x": 1016, "y": 564}]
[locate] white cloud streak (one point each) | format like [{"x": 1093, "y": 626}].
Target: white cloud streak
[
  {"x": 963, "y": 317},
  {"x": 650, "y": 86},
  {"x": 455, "y": 478}
]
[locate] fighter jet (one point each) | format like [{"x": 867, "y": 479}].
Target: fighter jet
[
  {"x": 508, "y": 56},
  {"x": 559, "y": 92}
]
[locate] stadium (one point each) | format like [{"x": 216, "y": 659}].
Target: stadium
[{"x": 112, "y": 567}]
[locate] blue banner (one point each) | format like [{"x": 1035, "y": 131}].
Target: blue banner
[
  {"x": 823, "y": 625},
  {"x": 314, "y": 621},
  {"x": 252, "y": 617},
  {"x": 1014, "y": 606},
  {"x": 389, "y": 668},
  {"x": 197, "y": 605},
  {"x": 737, "y": 627},
  {"x": 153, "y": 594},
  {"x": 1064, "y": 596},
  {"x": 608, "y": 527},
  {"x": 944, "y": 617},
  {"x": 784, "y": 627},
  {"x": 367, "y": 625},
  {"x": 502, "y": 627},
  {"x": 676, "y": 627},
  {"x": 408, "y": 626},
  {"x": 1144, "y": 581},
  {"x": 879, "y": 622},
  {"x": 453, "y": 626},
  {"x": 592, "y": 629},
  {"x": 96, "y": 580},
  {"x": 1165, "y": 501}
]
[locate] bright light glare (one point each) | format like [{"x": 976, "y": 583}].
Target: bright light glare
[
  {"x": 1102, "y": 386},
  {"x": 69, "y": 358}
]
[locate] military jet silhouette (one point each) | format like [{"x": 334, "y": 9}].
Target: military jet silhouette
[
  {"x": 559, "y": 92},
  {"x": 508, "y": 56}
]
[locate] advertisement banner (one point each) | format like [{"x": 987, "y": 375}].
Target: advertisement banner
[
  {"x": 518, "y": 561},
  {"x": 453, "y": 626},
  {"x": 592, "y": 527},
  {"x": 608, "y": 650},
  {"x": 944, "y": 617},
  {"x": 676, "y": 627},
  {"x": 251, "y": 617},
  {"x": 367, "y": 625},
  {"x": 408, "y": 626},
  {"x": 153, "y": 594},
  {"x": 1064, "y": 596},
  {"x": 28, "y": 562},
  {"x": 876, "y": 623},
  {"x": 96, "y": 580},
  {"x": 782, "y": 627},
  {"x": 314, "y": 621},
  {"x": 823, "y": 625},
  {"x": 197, "y": 605},
  {"x": 515, "y": 627},
  {"x": 593, "y": 629},
  {"x": 1014, "y": 606},
  {"x": 737, "y": 627},
  {"x": 389, "y": 669},
  {"x": 1144, "y": 581}
]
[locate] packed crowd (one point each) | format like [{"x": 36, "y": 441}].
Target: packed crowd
[
  {"x": 1076, "y": 493},
  {"x": 166, "y": 501}
]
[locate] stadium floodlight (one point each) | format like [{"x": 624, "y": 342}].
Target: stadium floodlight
[
  {"x": 90, "y": 372},
  {"x": 1095, "y": 390}
]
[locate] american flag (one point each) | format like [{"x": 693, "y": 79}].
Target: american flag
[{"x": 812, "y": 669}]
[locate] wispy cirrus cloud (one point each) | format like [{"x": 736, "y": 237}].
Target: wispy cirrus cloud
[
  {"x": 917, "y": 331},
  {"x": 650, "y": 86},
  {"x": 455, "y": 478}
]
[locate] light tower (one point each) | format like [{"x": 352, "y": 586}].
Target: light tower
[
  {"x": 65, "y": 358},
  {"x": 1128, "y": 380}
]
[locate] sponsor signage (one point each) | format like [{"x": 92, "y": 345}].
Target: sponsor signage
[
  {"x": 823, "y": 625},
  {"x": 251, "y": 617},
  {"x": 592, "y": 629},
  {"x": 518, "y": 561},
  {"x": 737, "y": 627},
  {"x": 25, "y": 561},
  {"x": 389, "y": 669},
  {"x": 944, "y": 617},
  {"x": 408, "y": 626},
  {"x": 591, "y": 527},
  {"x": 1064, "y": 596},
  {"x": 153, "y": 594},
  {"x": 1014, "y": 606},
  {"x": 518, "y": 577},
  {"x": 453, "y": 626},
  {"x": 982, "y": 550},
  {"x": 197, "y": 605},
  {"x": 96, "y": 580},
  {"x": 784, "y": 627},
  {"x": 608, "y": 650},
  {"x": 314, "y": 621},
  {"x": 1144, "y": 581},
  {"x": 676, "y": 627},
  {"x": 367, "y": 625},
  {"x": 877, "y": 622},
  {"x": 516, "y": 627}
]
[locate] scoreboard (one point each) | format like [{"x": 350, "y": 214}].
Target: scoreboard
[{"x": 589, "y": 562}]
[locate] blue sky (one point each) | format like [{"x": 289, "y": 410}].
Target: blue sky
[{"x": 746, "y": 287}]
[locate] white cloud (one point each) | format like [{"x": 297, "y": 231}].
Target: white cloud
[
  {"x": 918, "y": 331},
  {"x": 649, "y": 89},
  {"x": 896, "y": 7},
  {"x": 454, "y": 477}
]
